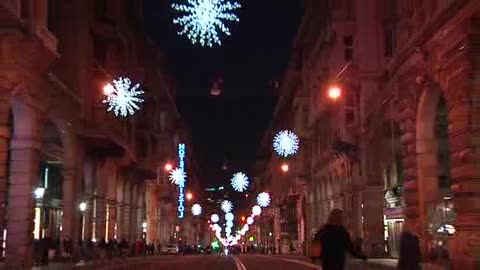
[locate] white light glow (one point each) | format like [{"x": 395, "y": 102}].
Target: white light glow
[
  {"x": 122, "y": 97},
  {"x": 239, "y": 182},
  {"x": 256, "y": 210},
  {"x": 263, "y": 199},
  {"x": 39, "y": 192},
  {"x": 196, "y": 209},
  {"x": 226, "y": 206},
  {"x": 286, "y": 143},
  {"x": 83, "y": 206},
  {"x": 229, "y": 223},
  {"x": 214, "y": 218},
  {"x": 229, "y": 217},
  {"x": 177, "y": 176},
  {"x": 250, "y": 220},
  {"x": 203, "y": 20}
]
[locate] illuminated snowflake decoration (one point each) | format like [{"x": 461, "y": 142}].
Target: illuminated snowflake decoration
[
  {"x": 122, "y": 97},
  {"x": 239, "y": 182},
  {"x": 286, "y": 143},
  {"x": 196, "y": 209},
  {"x": 177, "y": 176},
  {"x": 263, "y": 199},
  {"x": 227, "y": 206},
  {"x": 203, "y": 20}
]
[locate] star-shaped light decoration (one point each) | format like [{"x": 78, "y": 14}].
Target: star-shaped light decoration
[
  {"x": 226, "y": 206},
  {"x": 263, "y": 199},
  {"x": 177, "y": 176},
  {"x": 122, "y": 97},
  {"x": 196, "y": 209},
  {"x": 240, "y": 182},
  {"x": 286, "y": 143},
  {"x": 203, "y": 20}
]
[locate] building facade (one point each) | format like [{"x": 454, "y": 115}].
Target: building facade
[
  {"x": 59, "y": 147},
  {"x": 397, "y": 150}
]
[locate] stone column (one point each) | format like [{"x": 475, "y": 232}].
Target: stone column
[
  {"x": 277, "y": 229},
  {"x": 101, "y": 202},
  {"x": 151, "y": 211},
  {"x": 112, "y": 202},
  {"x": 464, "y": 138},
  {"x": 373, "y": 221},
  {"x": 133, "y": 214},
  {"x": 24, "y": 174},
  {"x": 120, "y": 205},
  {"x": 126, "y": 210},
  {"x": 71, "y": 184},
  {"x": 89, "y": 169},
  {"x": 4, "y": 161},
  {"x": 140, "y": 210}
]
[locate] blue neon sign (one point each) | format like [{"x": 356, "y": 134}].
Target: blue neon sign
[{"x": 181, "y": 186}]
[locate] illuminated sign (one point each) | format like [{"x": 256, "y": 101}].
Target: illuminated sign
[{"x": 181, "y": 186}]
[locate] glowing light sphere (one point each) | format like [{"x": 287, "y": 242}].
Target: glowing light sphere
[
  {"x": 285, "y": 143},
  {"x": 334, "y": 93},
  {"x": 229, "y": 223},
  {"x": 214, "y": 218},
  {"x": 256, "y": 210},
  {"x": 228, "y": 230},
  {"x": 263, "y": 199},
  {"x": 196, "y": 209},
  {"x": 240, "y": 182},
  {"x": 203, "y": 20},
  {"x": 285, "y": 167},
  {"x": 229, "y": 217},
  {"x": 250, "y": 220},
  {"x": 227, "y": 206},
  {"x": 177, "y": 176},
  {"x": 168, "y": 167},
  {"x": 122, "y": 97}
]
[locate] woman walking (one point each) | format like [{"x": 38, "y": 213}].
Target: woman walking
[{"x": 335, "y": 242}]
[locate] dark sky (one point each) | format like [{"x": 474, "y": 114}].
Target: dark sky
[{"x": 228, "y": 127}]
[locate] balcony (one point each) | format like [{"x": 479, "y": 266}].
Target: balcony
[{"x": 108, "y": 136}]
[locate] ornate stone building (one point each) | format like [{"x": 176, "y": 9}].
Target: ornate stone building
[
  {"x": 59, "y": 147},
  {"x": 397, "y": 150}
]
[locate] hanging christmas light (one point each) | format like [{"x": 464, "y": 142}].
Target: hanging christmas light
[
  {"x": 250, "y": 220},
  {"x": 214, "y": 218},
  {"x": 263, "y": 199},
  {"x": 196, "y": 209},
  {"x": 256, "y": 210},
  {"x": 177, "y": 176},
  {"x": 229, "y": 217},
  {"x": 122, "y": 97},
  {"x": 240, "y": 182},
  {"x": 286, "y": 143},
  {"x": 204, "y": 20},
  {"x": 226, "y": 206}
]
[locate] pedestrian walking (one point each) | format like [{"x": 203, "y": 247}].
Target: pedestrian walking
[
  {"x": 409, "y": 258},
  {"x": 335, "y": 242}
]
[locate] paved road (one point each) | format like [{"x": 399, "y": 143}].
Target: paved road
[{"x": 232, "y": 263}]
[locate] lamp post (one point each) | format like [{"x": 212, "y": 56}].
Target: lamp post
[
  {"x": 334, "y": 92},
  {"x": 83, "y": 206},
  {"x": 285, "y": 167}
]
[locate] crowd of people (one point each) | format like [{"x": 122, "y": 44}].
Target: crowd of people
[{"x": 48, "y": 249}]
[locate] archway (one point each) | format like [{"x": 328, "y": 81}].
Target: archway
[
  {"x": 433, "y": 161},
  {"x": 48, "y": 190}
]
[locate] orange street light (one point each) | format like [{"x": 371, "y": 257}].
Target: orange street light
[
  {"x": 334, "y": 92},
  {"x": 189, "y": 196},
  {"x": 284, "y": 167},
  {"x": 108, "y": 89},
  {"x": 168, "y": 167}
]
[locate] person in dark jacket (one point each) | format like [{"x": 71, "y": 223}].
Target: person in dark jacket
[
  {"x": 409, "y": 258},
  {"x": 335, "y": 242}
]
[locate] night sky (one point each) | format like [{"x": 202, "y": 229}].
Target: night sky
[{"x": 228, "y": 128}]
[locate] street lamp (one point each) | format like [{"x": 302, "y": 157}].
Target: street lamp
[
  {"x": 108, "y": 89},
  {"x": 83, "y": 207},
  {"x": 334, "y": 92},
  {"x": 189, "y": 196},
  {"x": 285, "y": 167},
  {"x": 168, "y": 167},
  {"x": 39, "y": 193}
]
